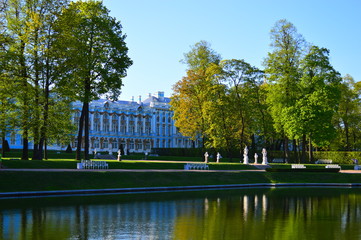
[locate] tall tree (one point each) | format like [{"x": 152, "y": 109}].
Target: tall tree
[
  {"x": 347, "y": 120},
  {"x": 93, "y": 56},
  {"x": 7, "y": 86},
  {"x": 282, "y": 72},
  {"x": 16, "y": 26},
  {"x": 191, "y": 93},
  {"x": 30, "y": 26},
  {"x": 242, "y": 81},
  {"x": 311, "y": 115}
]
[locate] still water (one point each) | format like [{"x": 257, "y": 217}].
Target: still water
[{"x": 282, "y": 213}]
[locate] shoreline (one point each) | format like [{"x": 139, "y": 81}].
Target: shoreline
[{"x": 85, "y": 192}]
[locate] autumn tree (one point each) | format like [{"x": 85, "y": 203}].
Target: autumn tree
[
  {"x": 93, "y": 57},
  {"x": 191, "y": 93}
]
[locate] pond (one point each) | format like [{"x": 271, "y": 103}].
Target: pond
[{"x": 282, "y": 213}]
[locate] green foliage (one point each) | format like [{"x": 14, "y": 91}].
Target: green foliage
[
  {"x": 91, "y": 51},
  {"x": 191, "y": 93}
]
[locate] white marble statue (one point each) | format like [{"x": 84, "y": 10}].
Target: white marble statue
[
  {"x": 206, "y": 157},
  {"x": 245, "y": 156},
  {"x": 264, "y": 156},
  {"x": 119, "y": 155},
  {"x": 218, "y": 157},
  {"x": 255, "y": 158}
]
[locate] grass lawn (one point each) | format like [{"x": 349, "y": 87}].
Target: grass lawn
[
  {"x": 113, "y": 164},
  {"x": 42, "y": 181}
]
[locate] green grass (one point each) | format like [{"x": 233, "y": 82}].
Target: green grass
[
  {"x": 113, "y": 164},
  {"x": 42, "y": 181},
  {"x": 39, "y": 181}
]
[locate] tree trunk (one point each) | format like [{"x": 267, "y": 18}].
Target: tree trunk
[
  {"x": 45, "y": 150},
  {"x": 3, "y": 140},
  {"x": 295, "y": 152},
  {"x": 35, "y": 151},
  {"x": 310, "y": 151},
  {"x": 86, "y": 130},
  {"x": 285, "y": 149},
  {"x": 25, "y": 153},
  {"x": 80, "y": 135},
  {"x": 347, "y": 136},
  {"x": 303, "y": 158}
]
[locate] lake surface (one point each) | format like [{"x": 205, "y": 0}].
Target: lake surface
[{"x": 282, "y": 213}]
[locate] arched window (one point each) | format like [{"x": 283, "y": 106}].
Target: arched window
[
  {"x": 106, "y": 122},
  {"x": 123, "y": 124},
  {"x": 97, "y": 122},
  {"x": 115, "y": 123}
]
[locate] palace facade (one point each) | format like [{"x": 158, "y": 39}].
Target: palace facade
[{"x": 137, "y": 126}]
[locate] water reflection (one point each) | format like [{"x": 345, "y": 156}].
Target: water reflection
[{"x": 238, "y": 214}]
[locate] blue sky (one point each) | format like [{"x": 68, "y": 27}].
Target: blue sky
[{"x": 159, "y": 32}]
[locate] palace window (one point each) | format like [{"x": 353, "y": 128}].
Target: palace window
[
  {"x": 131, "y": 128},
  {"x": 131, "y": 144},
  {"x": 106, "y": 123},
  {"x": 114, "y": 144},
  {"x": 147, "y": 128},
  {"x": 139, "y": 145},
  {"x": 96, "y": 143},
  {"x": 114, "y": 123},
  {"x": 97, "y": 122}
]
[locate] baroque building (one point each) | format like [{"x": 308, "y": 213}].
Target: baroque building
[{"x": 135, "y": 126}]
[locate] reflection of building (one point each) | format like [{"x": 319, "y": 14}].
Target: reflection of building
[{"x": 137, "y": 126}]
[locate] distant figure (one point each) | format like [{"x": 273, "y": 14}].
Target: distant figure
[
  {"x": 255, "y": 158},
  {"x": 206, "y": 157},
  {"x": 95, "y": 152},
  {"x": 218, "y": 157}
]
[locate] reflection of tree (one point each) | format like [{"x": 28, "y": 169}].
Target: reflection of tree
[
  {"x": 276, "y": 214},
  {"x": 294, "y": 217}
]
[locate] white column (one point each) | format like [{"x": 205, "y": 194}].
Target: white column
[
  {"x": 144, "y": 118},
  {"x": 126, "y": 124},
  {"x": 101, "y": 122},
  {"x": 92, "y": 121},
  {"x": 110, "y": 123},
  {"x": 119, "y": 122}
]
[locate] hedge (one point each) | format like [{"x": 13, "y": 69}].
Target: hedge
[{"x": 339, "y": 157}]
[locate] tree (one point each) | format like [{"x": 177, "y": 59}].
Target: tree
[
  {"x": 191, "y": 93},
  {"x": 282, "y": 72},
  {"x": 92, "y": 55},
  {"x": 29, "y": 24},
  {"x": 311, "y": 115},
  {"x": 347, "y": 119},
  {"x": 242, "y": 81}
]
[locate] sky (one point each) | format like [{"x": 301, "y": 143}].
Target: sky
[{"x": 159, "y": 32}]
